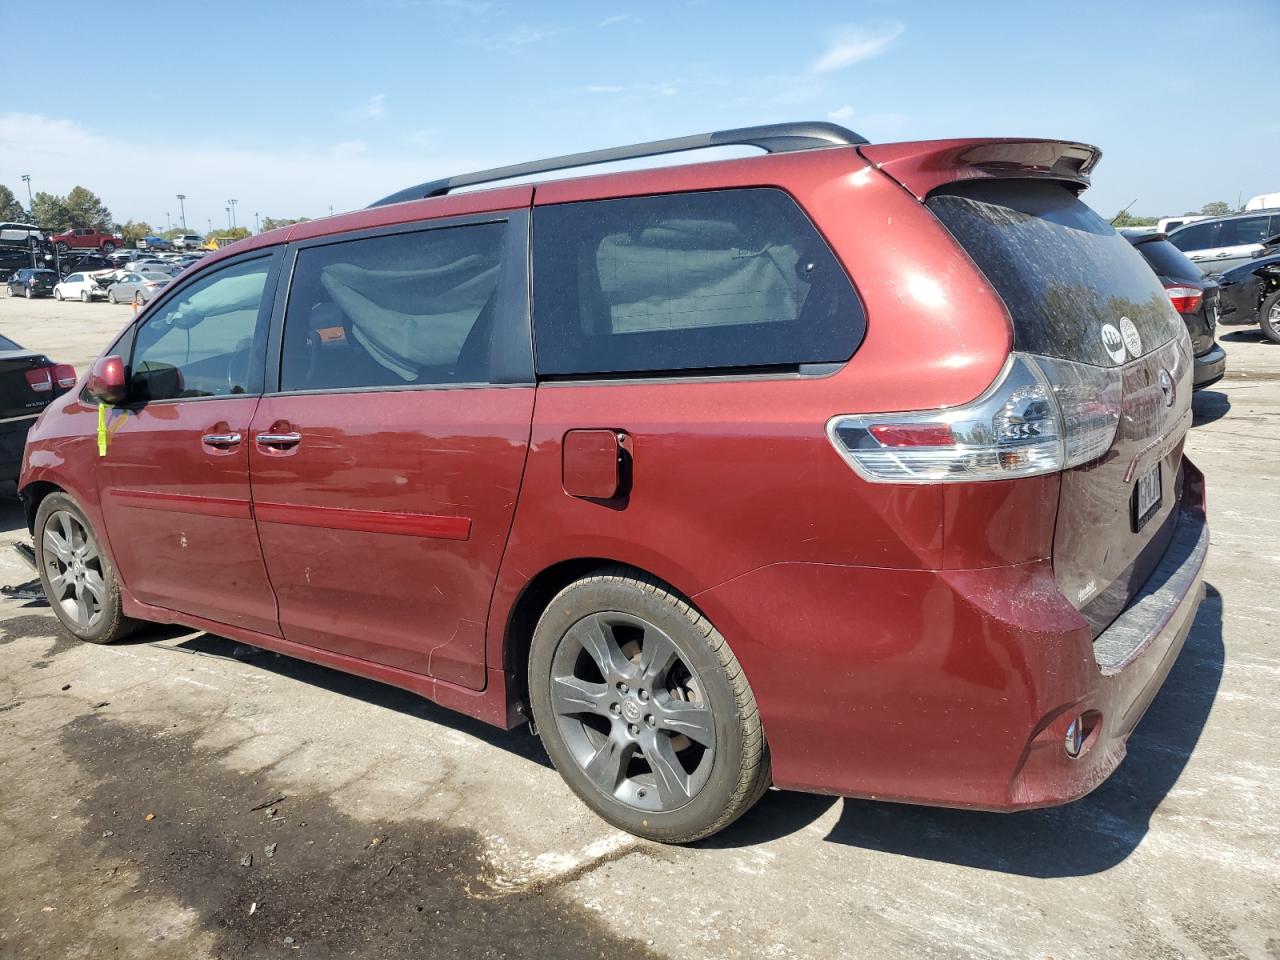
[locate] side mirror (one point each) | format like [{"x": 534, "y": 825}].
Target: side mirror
[{"x": 106, "y": 380}]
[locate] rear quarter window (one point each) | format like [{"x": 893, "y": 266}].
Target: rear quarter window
[
  {"x": 1062, "y": 271},
  {"x": 1168, "y": 261},
  {"x": 720, "y": 280}
]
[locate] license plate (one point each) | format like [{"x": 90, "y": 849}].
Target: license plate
[{"x": 1146, "y": 497}]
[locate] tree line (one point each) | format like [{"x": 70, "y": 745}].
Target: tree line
[{"x": 82, "y": 207}]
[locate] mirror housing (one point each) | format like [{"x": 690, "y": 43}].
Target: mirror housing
[{"x": 107, "y": 380}]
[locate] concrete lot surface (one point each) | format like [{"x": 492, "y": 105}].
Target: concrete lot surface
[{"x": 301, "y": 812}]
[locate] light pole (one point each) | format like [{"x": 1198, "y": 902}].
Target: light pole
[
  {"x": 232, "y": 205},
  {"x": 168, "y": 224},
  {"x": 257, "y": 224},
  {"x": 228, "y": 209},
  {"x": 26, "y": 178},
  {"x": 182, "y": 205}
]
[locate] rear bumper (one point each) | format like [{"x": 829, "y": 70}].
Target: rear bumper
[
  {"x": 953, "y": 688},
  {"x": 1210, "y": 367}
]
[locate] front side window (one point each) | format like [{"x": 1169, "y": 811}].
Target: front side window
[
  {"x": 1198, "y": 236},
  {"x": 203, "y": 342},
  {"x": 696, "y": 281},
  {"x": 399, "y": 310}
]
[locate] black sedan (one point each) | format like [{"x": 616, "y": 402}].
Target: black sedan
[
  {"x": 1251, "y": 292},
  {"x": 1194, "y": 296},
  {"x": 29, "y": 382}
]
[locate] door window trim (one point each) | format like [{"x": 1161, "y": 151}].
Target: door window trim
[
  {"x": 256, "y": 371},
  {"x": 513, "y": 328}
]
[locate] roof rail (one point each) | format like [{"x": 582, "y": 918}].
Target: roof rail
[{"x": 771, "y": 138}]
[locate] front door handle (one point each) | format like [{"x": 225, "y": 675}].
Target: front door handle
[
  {"x": 278, "y": 441},
  {"x": 221, "y": 440}
]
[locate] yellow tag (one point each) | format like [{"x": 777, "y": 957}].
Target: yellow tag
[{"x": 102, "y": 429}]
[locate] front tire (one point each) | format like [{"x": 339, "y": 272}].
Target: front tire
[
  {"x": 28, "y": 293},
  {"x": 76, "y": 573},
  {"x": 111, "y": 297},
  {"x": 57, "y": 294},
  {"x": 1269, "y": 316},
  {"x": 644, "y": 709}
]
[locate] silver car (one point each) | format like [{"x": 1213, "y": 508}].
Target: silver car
[
  {"x": 137, "y": 287},
  {"x": 1220, "y": 243}
]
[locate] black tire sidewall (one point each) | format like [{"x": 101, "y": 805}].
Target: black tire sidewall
[
  {"x": 111, "y": 626},
  {"x": 596, "y": 596}
]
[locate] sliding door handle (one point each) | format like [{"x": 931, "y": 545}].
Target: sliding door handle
[
  {"x": 221, "y": 440},
  {"x": 278, "y": 441}
]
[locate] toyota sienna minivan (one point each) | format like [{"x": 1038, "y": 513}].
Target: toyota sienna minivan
[{"x": 845, "y": 468}]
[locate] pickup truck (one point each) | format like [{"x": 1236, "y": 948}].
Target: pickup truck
[{"x": 86, "y": 238}]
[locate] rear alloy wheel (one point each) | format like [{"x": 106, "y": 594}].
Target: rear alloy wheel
[
  {"x": 137, "y": 298},
  {"x": 76, "y": 574},
  {"x": 84, "y": 296},
  {"x": 1269, "y": 316},
  {"x": 108, "y": 247},
  {"x": 644, "y": 709}
]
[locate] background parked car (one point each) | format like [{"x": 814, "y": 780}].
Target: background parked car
[
  {"x": 137, "y": 287},
  {"x": 154, "y": 265},
  {"x": 1221, "y": 243},
  {"x": 154, "y": 243},
  {"x": 1195, "y": 297},
  {"x": 73, "y": 263},
  {"x": 31, "y": 282},
  {"x": 187, "y": 241},
  {"x": 1170, "y": 224},
  {"x": 79, "y": 286},
  {"x": 21, "y": 236},
  {"x": 29, "y": 381},
  {"x": 1251, "y": 291}
]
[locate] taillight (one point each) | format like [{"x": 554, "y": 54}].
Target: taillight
[
  {"x": 64, "y": 375},
  {"x": 1040, "y": 416},
  {"x": 40, "y": 380},
  {"x": 1184, "y": 299}
]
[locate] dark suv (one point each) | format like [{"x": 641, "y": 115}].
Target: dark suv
[
  {"x": 31, "y": 282},
  {"x": 850, "y": 468},
  {"x": 1195, "y": 297}
]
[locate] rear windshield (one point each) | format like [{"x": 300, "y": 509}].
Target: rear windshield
[
  {"x": 1068, "y": 279},
  {"x": 1168, "y": 261}
]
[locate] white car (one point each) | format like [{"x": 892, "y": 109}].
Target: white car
[
  {"x": 1220, "y": 243},
  {"x": 187, "y": 241},
  {"x": 153, "y": 264},
  {"x": 80, "y": 286}
]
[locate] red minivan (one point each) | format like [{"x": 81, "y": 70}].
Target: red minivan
[{"x": 847, "y": 468}]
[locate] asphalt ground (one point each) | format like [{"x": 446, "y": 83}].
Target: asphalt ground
[{"x": 166, "y": 797}]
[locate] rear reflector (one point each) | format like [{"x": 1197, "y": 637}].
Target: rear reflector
[
  {"x": 40, "y": 380},
  {"x": 1040, "y": 416},
  {"x": 1184, "y": 299}
]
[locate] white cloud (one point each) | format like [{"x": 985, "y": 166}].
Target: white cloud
[
  {"x": 375, "y": 108},
  {"x": 853, "y": 44},
  {"x": 617, "y": 19},
  {"x": 841, "y": 114},
  {"x": 665, "y": 88},
  {"x": 522, "y": 36},
  {"x": 293, "y": 180}
]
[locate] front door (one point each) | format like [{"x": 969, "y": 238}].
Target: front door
[
  {"x": 174, "y": 476},
  {"x": 385, "y": 468}
]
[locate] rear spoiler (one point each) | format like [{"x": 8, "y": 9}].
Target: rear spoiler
[{"x": 925, "y": 165}]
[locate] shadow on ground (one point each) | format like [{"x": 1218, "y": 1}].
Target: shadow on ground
[
  {"x": 1208, "y": 406},
  {"x": 1081, "y": 838}
]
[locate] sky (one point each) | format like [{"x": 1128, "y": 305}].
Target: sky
[{"x": 296, "y": 108}]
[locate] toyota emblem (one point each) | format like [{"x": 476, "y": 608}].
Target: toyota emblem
[{"x": 1168, "y": 388}]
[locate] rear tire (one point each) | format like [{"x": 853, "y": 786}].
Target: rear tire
[
  {"x": 84, "y": 296},
  {"x": 644, "y": 709},
  {"x": 76, "y": 573},
  {"x": 108, "y": 247},
  {"x": 1269, "y": 316}
]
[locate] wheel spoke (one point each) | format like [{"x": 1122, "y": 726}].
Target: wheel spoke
[
  {"x": 694, "y": 720},
  {"x": 57, "y": 587},
  {"x": 595, "y": 637},
  {"x": 68, "y": 532},
  {"x": 97, "y": 588},
  {"x": 657, "y": 656},
  {"x": 83, "y": 611},
  {"x": 571, "y": 695},
  {"x": 668, "y": 775},
  {"x": 606, "y": 766},
  {"x": 55, "y": 543}
]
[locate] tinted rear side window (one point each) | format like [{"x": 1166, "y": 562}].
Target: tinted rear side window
[
  {"x": 1062, "y": 271},
  {"x": 1168, "y": 261},
  {"x": 696, "y": 281}
]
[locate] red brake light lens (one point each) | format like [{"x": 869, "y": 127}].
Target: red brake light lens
[
  {"x": 912, "y": 434},
  {"x": 40, "y": 380},
  {"x": 1184, "y": 299}
]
